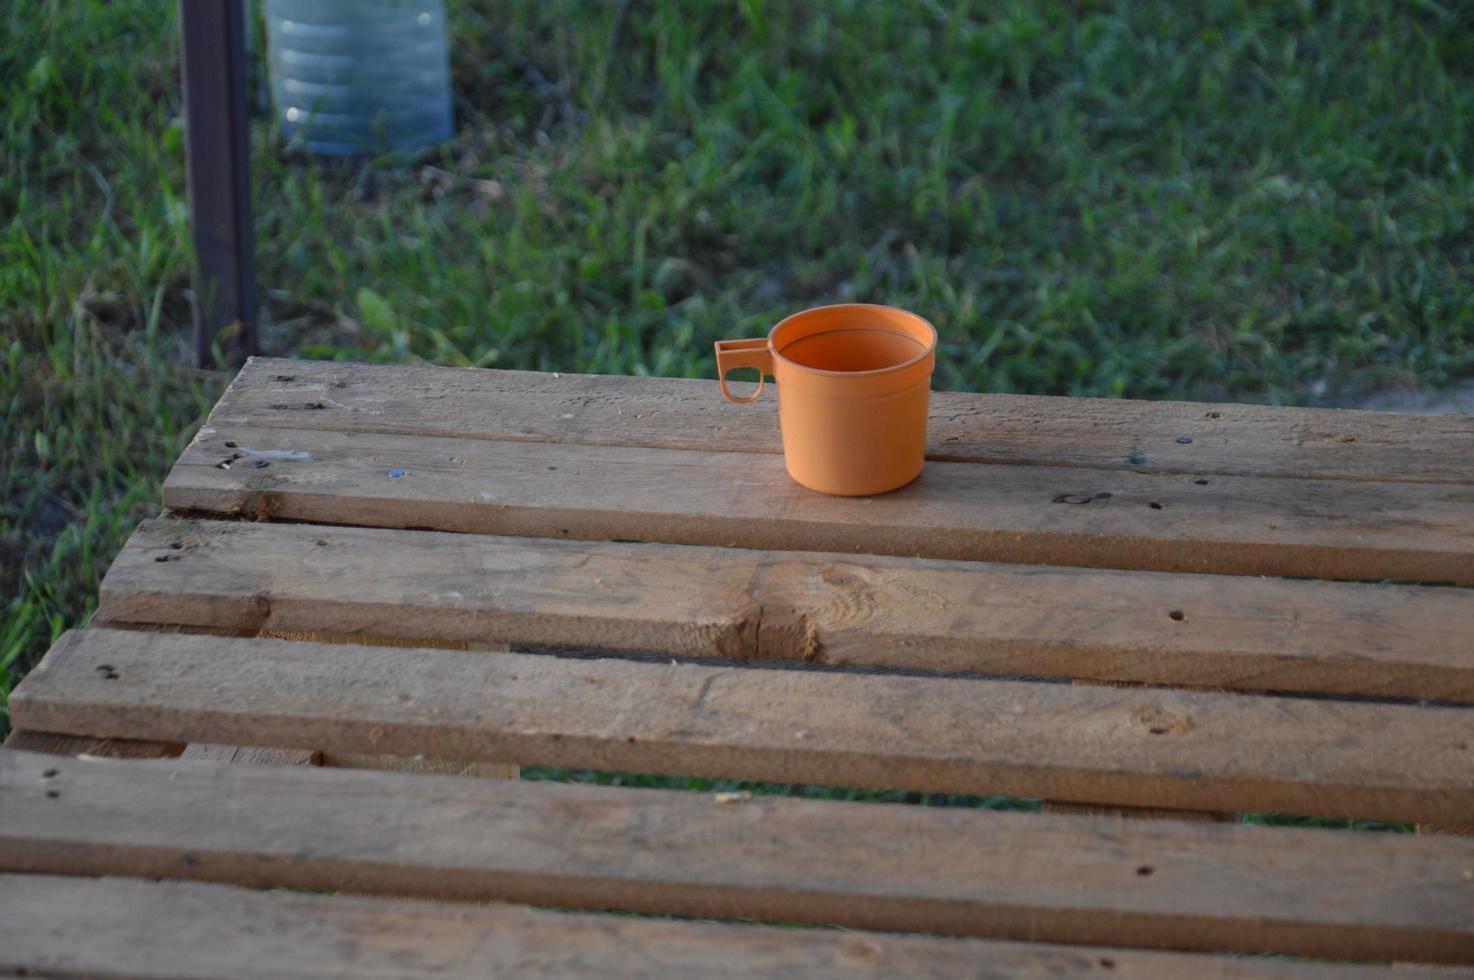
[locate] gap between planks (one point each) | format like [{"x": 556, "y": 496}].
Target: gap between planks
[
  {"x": 1133, "y": 747},
  {"x": 439, "y": 589},
  {"x": 877, "y": 866}
]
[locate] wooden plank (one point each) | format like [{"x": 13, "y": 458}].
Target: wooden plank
[
  {"x": 246, "y": 755},
  {"x": 1466, "y": 830},
  {"x": 666, "y": 413},
  {"x": 118, "y": 748},
  {"x": 395, "y": 763},
  {"x": 1134, "y": 812},
  {"x": 1136, "y": 747},
  {"x": 109, "y": 928},
  {"x": 1026, "y": 514},
  {"x": 121, "y": 748},
  {"x": 111, "y": 748},
  {"x": 1389, "y": 641},
  {"x": 1163, "y": 884},
  {"x": 442, "y": 767}
]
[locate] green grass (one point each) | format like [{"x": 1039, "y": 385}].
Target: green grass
[{"x": 1222, "y": 200}]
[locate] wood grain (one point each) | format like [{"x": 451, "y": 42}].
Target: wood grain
[
  {"x": 1160, "y": 884},
  {"x": 109, "y": 928},
  {"x": 666, "y": 413},
  {"x": 443, "y": 767},
  {"x": 449, "y": 589},
  {"x": 111, "y": 748},
  {"x": 1024, "y": 514},
  {"x": 354, "y": 760},
  {"x": 1135, "y": 747},
  {"x": 246, "y": 755}
]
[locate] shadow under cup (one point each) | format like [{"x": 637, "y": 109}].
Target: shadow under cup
[{"x": 854, "y": 383}]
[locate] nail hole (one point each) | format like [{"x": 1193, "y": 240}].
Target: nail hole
[
  {"x": 1145, "y": 870},
  {"x": 1154, "y": 505},
  {"x": 231, "y": 444},
  {"x": 320, "y": 542},
  {"x": 166, "y": 557},
  {"x": 260, "y": 464},
  {"x": 49, "y": 773},
  {"x": 1185, "y": 440},
  {"x": 1107, "y": 964},
  {"x": 107, "y": 672},
  {"x": 1201, "y": 482},
  {"x": 1177, "y": 615},
  {"x": 1082, "y": 498},
  {"x": 1157, "y": 730},
  {"x": 53, "y": 794},
  {"x": 1215, "y": 415},
  {"x": 176, "y": 545},
  {"x": 552, "y": 467}
]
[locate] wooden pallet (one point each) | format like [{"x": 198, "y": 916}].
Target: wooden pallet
[{"x": 311, "y": 608}]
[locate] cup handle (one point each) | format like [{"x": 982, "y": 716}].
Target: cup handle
[{"x": 733, "y": 354}]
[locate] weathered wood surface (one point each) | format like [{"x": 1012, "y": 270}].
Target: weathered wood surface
[
  {"x": 111, "y": 928},
  {"x": 390, "y": 763},
  {"x": 1160, "y": 884},
  {"x": 113, "y": 748},
  {"x": 1023, "y": 514},
  {"x": 447, "y": 589},
  {"x": 246, "y": 755},
  {"x": 1136, "y": 747},
  {"x": 665, "y": 413},
  {"x": 443, "y": 767}
]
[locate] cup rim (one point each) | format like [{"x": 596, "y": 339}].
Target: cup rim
[{"x": 930, "y": 350}]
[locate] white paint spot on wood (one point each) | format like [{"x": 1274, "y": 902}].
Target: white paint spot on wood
[{"x": 273, "y": 453}]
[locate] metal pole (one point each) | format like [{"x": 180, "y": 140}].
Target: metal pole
[{"x": 218, "y": 158}]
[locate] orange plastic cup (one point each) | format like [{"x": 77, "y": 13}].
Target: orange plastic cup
[{"x": 853, "y": 385}]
